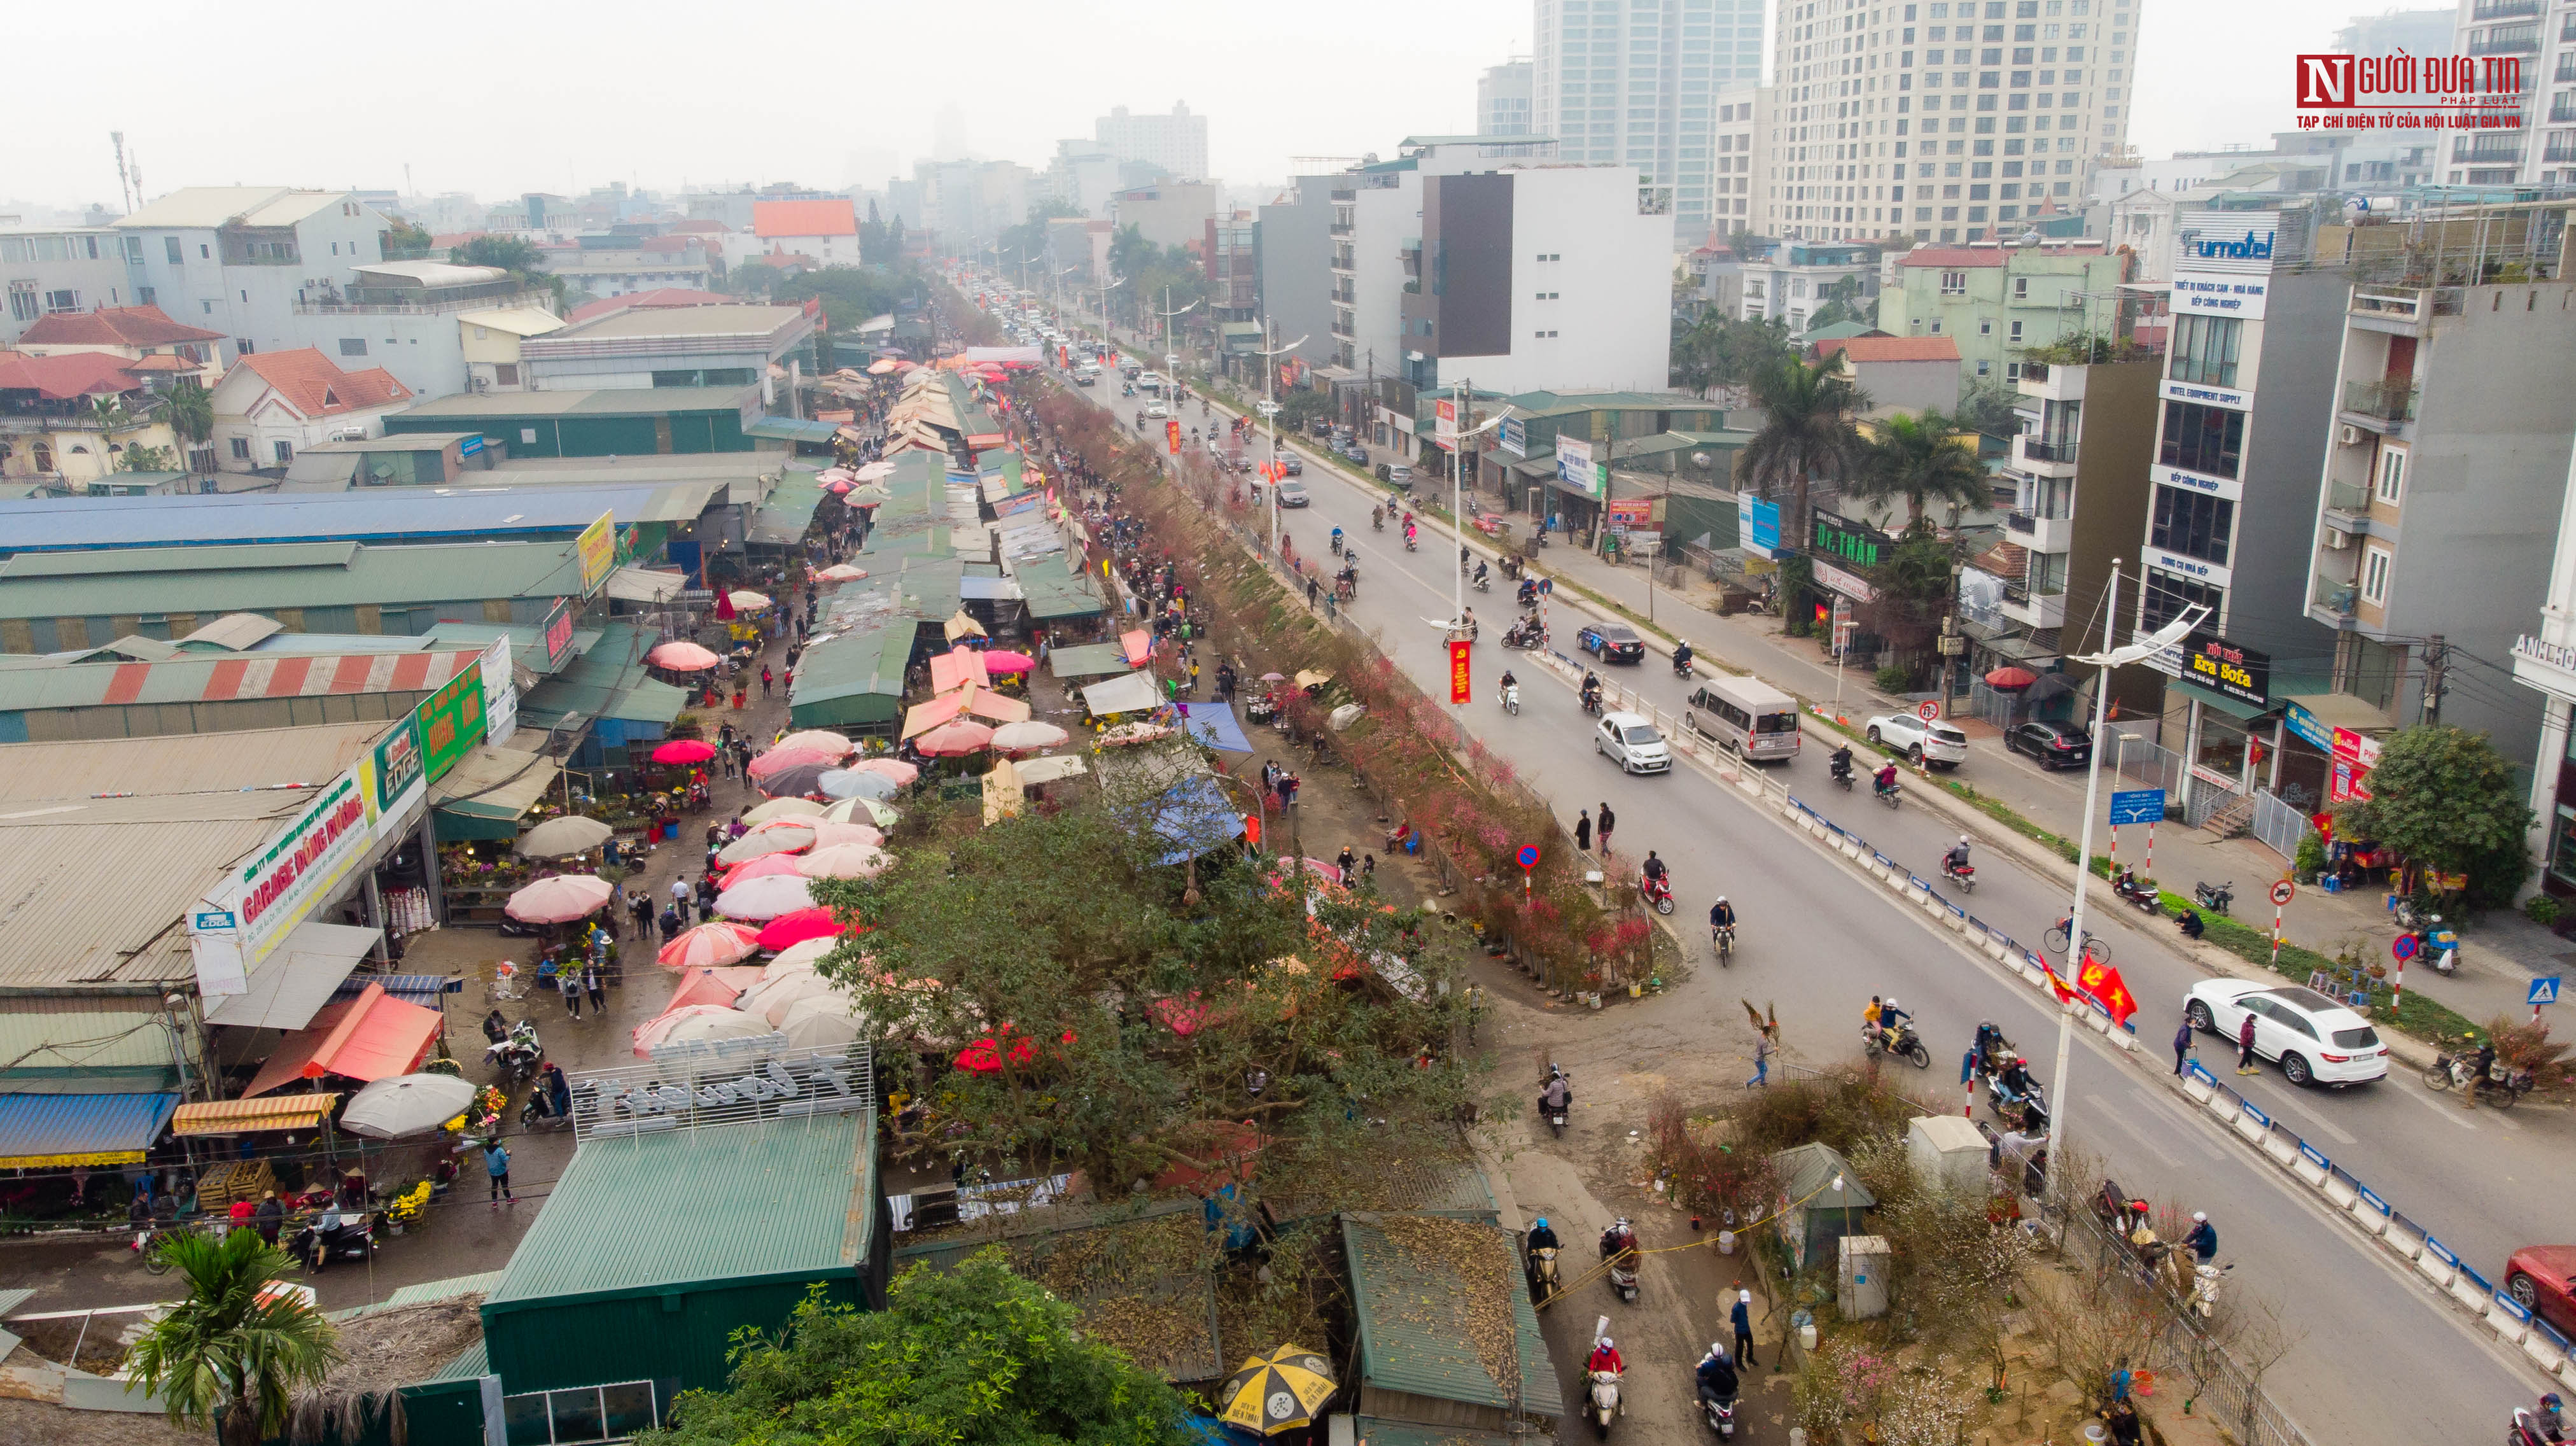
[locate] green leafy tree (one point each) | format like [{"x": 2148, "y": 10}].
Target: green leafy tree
[
  {"x": 1807, "y": 433},
  {"x": 1986, "y": 407},
  {"x": 1843, "y": 302},
  {"x": 1920, "y": 459},
  {"x": 403, "y": 238},
  {"x": 2444, "y": 799},
  {"x": 140, "y": 458},
  {"x": 1914, "y": 585},
  {"x": 978, "y": 1356},
  {"x": 226, "y": 1350},
  {"x": 1725, "y": 351},
  {"x": 754, "y": 278},
  {"x": 872, "y": 239},
  {"x": 520, "y": 258},
  {"x": 1131, "y": 999},
  {"x": 190, "y": 411}
]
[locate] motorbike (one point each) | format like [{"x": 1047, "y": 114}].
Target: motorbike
[
  {"x": 2203, "y": 1300},
  {"x": 1524, "y": 634},
  {"x": 1377, "y": 522},
  {"x": 1681, "y": 665},
  {"x": 516, "y": 1057},
  {"x": 1347, "y": 585},
  {"x": 2029, "y": 1110},
  {"x": 1887, "y": 793},
  {"x": 1483, "y": 583},
  {"x": 1722, "y": 939},
  {"x": 1656, "y": 891},
  {"x": 331, "y": 1236},
  {"x": 1409, "y": 545},
  {"x": 1592, "y": 702},
  {"x": 2215, "y": 897},
  {"x": 1908, "y": 1045},
  {"x": 1512, "y": 699},
  {"x": 2142, "y": 896},
  {"x": 1720, "y": 1414},
  {"x": 2501, "y": 1086},
  {"x": 1842, "y": 776},
  {"x": 1964, "y": 875},
  {"x": 2536, "y": 1426},
  {"x": 2436, "y": 945},
  {"x": 1336, "y": 544},
  {"x": 1555, "y": 1115},
  {"x": 1623, "y": 1260},
  {"x": 1605, "y": 1401},
  {"x": 1542, "y": 1273}
]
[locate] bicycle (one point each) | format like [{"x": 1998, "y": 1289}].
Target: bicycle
[{"x": 2094, "y": 947}]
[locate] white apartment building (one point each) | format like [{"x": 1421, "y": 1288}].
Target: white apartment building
[
  {"x": 1635, "y": 83},
  {"x": 58, "y": 271},
  {"x": 1949, "y": 120},
  {"x": 1454, "y": 264},
  {"x": 1503, "y": 99},
  {"x": 1175, "y": 142},
  {"x": 242, "y": 259},
  {"x": 2542, "y": 34},
  {"x": 1737, "y": 197}
]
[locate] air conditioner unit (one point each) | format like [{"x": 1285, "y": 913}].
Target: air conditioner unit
[
  {"x": 2351, "y": 434},
  {"x": 2337, "y": 541}
]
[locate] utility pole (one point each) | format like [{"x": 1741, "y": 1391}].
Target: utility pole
[{"x": 2437, "y": 668}]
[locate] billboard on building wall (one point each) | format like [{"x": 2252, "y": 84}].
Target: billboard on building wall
[
  {"x": 598, "y": 548},
  {"x": 1575, "y": 467}
]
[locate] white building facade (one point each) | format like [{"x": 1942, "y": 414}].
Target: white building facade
[
  {"x": 59, "y": 270},
  {"x": 1635, "y": 83},
  {"x": 1176, "y": 142},
  {"x": 242, "y": 259}
]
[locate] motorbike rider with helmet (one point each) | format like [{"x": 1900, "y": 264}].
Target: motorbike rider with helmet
[
  {"x": 2202, "y": 1239},
  {"x": 1841, "y": 761},
  {"x": 1543, "y": 1237},
  {"x": 1681, "y": 657},
  {"x": 1591, "y": 691},
  {"x": 1717, "y": 1378},
  {"x": 1721, "y": 915},
  {"x": 1890, "y": 1023},
  {"x": 1884, "y": 781},
  {"x": 1605, "y": 1357},
  {"x": 1620, "y": 1239},
  {"x": 1957, "y": 858}
]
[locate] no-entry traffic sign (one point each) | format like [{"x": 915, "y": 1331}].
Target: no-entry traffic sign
[
  {"x": 2284, "y": 891},
  {"x": 1529, "y": 856},
  {"x": 1928, "y": 709}
]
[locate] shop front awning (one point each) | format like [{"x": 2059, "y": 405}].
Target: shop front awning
[
  {"x": 486, "y": 794},
  {"x": 241, "y": 1117},
  {"x": 2220, "y": 701},
  {"x": 51, "y": 1131},
  {"x": 295, "y": 983},
  {"x": 2343, "y": 710},
  {"x": 372, "y": 1037},
  {"x": 645, "y": 584},
  {"x": 424, "y": 990}
]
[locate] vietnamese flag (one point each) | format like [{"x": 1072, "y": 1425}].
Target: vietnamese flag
[
  {"x": 2064, "y": 993},
  {"x": 2104, "y": 983}
]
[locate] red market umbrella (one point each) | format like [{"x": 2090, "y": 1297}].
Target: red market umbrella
[
  {"x": 2010, "y": 679},
  {"x": 684, "y": 750},
  {"x": 954, "y": 738},
  {"x": 796, "y": 927},
  {"x": 682, "y": 658}
]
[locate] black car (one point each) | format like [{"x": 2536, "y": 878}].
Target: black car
[
  {"x": 1612, "y": 642},
  {"x": 1295, "y": 464},
  {"x": 2055, "y": 745}
]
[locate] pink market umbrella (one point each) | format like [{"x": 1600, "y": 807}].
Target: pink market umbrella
[
  {"x": 780, "y": 758},
  {"x": 1003, "y": 660},
  {"x": 696, "y": 1022},
  {"x": 800, "y": 925},
  {"x": 845, "y": 861},
  {"x": 702, "y": 986},
  {"x": 834, "y": 835},
  {"x": 765, "y": 899},
  {"x": 894, "y": 768},
  {"x": 839, "y": 484},
  {"x": 881, "y": 366},
  {"x": 778, "y": 836},
  {"x": 954, "y": 739},
  {"x": 710, "y": 946},
  {"x": 841, "y": 572},
  {"x": 684, "y": 750},
  {"x": 761, "y": 868},
  {"x": 558, "y": 900},
  {"x": 1027, "y": 737},
  {"x": 682, "y": 658},
  {"x": 822, "y": 738}
]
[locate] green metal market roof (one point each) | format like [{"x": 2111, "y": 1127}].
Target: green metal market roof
[
  {"x": 601, "y": 402},
  {"x": 259, "y": 577},
  {"x": 609, "y": 681},
  {"x": 1052, "y": 589},
  {"x": 855, "y": 677},
  {"x": 1412, "y": 1316},
  {"x": 786, "y": 1199},
  {"x": 789, "y": 510}
]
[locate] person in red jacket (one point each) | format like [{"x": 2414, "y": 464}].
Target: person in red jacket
[{"x": 1605, "y": 1357}]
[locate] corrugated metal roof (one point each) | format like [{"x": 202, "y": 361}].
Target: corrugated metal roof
[
  {"x": 495, "y": 783},
  {"x": 228, "y": 678},
  {"x": 248, "y": 580},
  {"x": 1412, "y": 1316},
  {"x": 608, "y": 681},
  {"x": 605, "y": 402},
  {"x": 782, "y": 520},
  {"x": 516, "y": 320},
  {"x": 191, "y": 524},
  {"x": 776, "y": 1199},
  {"x": 41, "y": 1130},
  {"x": 1055, "y": 590},
  {"x": 89, "y": 563},
  {"x": 235, "y": 631}
]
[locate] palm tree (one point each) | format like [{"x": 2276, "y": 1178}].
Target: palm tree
[
  {"x": 190, "y": 410},
  {"x": 1920, "y": 458},
  {"x": 226, "y": 1348},
  {"x": 1807, "y": 433}
]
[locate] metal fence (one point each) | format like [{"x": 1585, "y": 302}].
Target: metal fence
[
  {"x": 2149, "y": 764},
  {"x": 714, "y": 1082},
  {"x": 2279, "y": 825}
]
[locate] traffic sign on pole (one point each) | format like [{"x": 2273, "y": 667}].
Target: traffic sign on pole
[
  {"x": 1528, "y": 859},
  {"x": 1928, "y": 709},
  {"x": 2543, "y": 991},
  {"x": 2284, "y": 891},
  {"x": 2137, "y": 805}
]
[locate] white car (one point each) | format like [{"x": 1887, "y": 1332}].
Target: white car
[
  {"x": 1157, "y": 410},
  {"x": 1628, "y": 740},
  {"x": 1936, "y": 745},
  {"x": 2313, "y": 1039}
]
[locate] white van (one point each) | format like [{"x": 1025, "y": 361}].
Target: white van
[{"x": 1747, "y": 717}]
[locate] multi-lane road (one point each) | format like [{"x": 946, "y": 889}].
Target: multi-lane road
[{"x": 2382, "y": 1356}]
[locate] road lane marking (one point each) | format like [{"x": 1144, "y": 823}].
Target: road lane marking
[
  {"x": 2341, "y": 1135},
  {"x": 2451, "y": 1113},
  {"x": 2172, "y": 1160}
]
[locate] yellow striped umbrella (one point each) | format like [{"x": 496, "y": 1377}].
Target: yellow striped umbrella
[{"x": 1277, "y": 1392}]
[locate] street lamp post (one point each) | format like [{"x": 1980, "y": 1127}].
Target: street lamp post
[
  {"x": 1458, "y": 402},
  {"x": 1167, "y": 313},
  {"x": 2103, "y": 662},
  {"x": 1270, "y": 412}
]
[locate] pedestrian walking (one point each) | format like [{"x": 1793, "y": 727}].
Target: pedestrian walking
[
  {"x": 1742, "y": 1315},
  {"x": 269, "y": 1217},
  {"x": 670, "y": 924},
  {"x": 1583, "y": 830},
  {"x": 2245, "y": 1047},
  {"x": 569, "y": 981},
  {"x": 595, "y": 984},
  {"x": 767, "y": 678},
  {"x": 2182, "y": 1044},
  {"x": 641, "y": 906},
  {"x": 1763, "y": 1048},
  {"x": 1607, "y": 820},
  {"x": 1292, "y": 783},
  {"x": 496, "y": 1163}
]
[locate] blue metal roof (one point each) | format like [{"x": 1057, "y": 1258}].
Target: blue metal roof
[
  {"x": 47, "y": 1130},
  {"x": 378, "y": 515}
]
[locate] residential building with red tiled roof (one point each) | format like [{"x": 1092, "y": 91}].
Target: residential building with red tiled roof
[
  {"x": 828, "y": 231},
  {"x": 132, "y": 333},
  {"x": 52, "y": 425},
  {"x": 273, "y": 404}
]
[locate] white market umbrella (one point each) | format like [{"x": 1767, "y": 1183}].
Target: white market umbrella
[
  {"x": 784, "y": 808},
  {"x": 833, "y": 835},
  {"x": 861, "y": 810},
  {"x": 558, "y": 900},
  {"x": 406, "y": 1104},
  {"x": 764, "y": 842},
  {"x": 820, "y": 1021},
  {"x": 1027, "y": 736},
  {"x": 766, "y": 897},
  {"x": 745, "y": 600},
  {"x": 823, "y": 738},
  {"x": 802, "y": 955},
  {"x": 852, "y": 783},
  {"x": 771, "y": 1001},
  {"x": 845, "y": 861},
  {"x": 563, "y": 837}
]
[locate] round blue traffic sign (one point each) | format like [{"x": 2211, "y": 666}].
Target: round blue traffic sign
[
  {"x": 1529, "y": 856},
  {"x": 2403, "y": 946}
]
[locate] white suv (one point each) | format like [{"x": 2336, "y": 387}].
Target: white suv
[
  {"x": 1628, "y": 740},
  {"x": 1934, "y": 744}
]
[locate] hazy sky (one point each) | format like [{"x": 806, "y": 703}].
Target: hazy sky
[{"x": 499, "y": 99}]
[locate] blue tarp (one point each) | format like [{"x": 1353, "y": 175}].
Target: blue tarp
[
  {"x": 1213, "y": 724},
  {"x": 45, "y": 1130},
  {"x": 1194, "y": 817}
]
